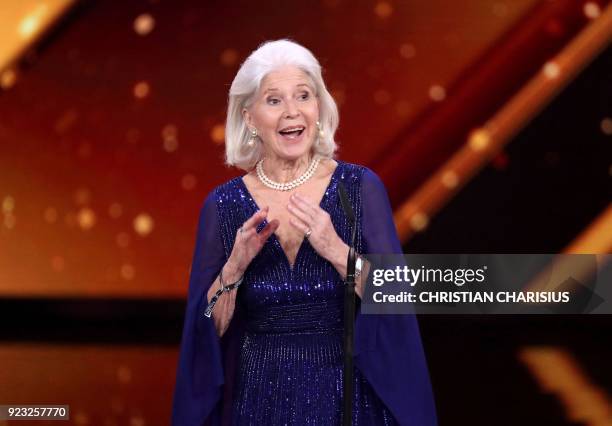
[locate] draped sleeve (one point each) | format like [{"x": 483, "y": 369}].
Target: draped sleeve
[
  {"x": 388, "y": 348},
  {"x": 202, "y": 369}
]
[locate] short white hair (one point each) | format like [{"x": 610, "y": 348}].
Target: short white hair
[{"x": 269, "y": 57}]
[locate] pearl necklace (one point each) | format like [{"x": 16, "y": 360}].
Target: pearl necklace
[{"x": 287, "y": 186}]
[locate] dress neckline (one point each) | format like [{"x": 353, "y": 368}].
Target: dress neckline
[{"x": 274, "y": 238}]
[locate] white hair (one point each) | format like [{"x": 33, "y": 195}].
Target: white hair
[{"x": 268, "y": 57}]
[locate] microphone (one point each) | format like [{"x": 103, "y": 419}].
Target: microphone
[
  {"x": 348, "y": 211},
  {"x": 349, "y": 311},
  {"x": 346, "y": 205}
]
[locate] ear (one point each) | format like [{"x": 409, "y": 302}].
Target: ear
[{"x": 248, "y": 118}]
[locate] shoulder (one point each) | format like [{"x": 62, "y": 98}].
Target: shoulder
[
  {"x": 361, "y": 173},
  {"x": 367, "y": 180},
  {"x": 222, "y": 193},
  {"x": 370, "y": 178},
  {"x": 227, "y": 186},
  {"x": 350, "y": 168}
]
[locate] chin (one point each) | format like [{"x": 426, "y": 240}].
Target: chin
[{"x": 296, "y": 151}]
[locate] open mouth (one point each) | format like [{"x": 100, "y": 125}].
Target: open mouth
[{"x": 292, "y": 132}]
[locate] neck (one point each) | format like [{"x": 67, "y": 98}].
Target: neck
[{"x": 282, "y": 170}]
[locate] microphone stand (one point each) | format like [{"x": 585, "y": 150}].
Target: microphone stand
[{"x": 349, "y": 312}]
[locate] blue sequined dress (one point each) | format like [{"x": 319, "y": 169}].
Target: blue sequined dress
[{"x": 281, "y": 360}]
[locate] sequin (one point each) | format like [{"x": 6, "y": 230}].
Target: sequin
[{"x": 291, "y": 356}]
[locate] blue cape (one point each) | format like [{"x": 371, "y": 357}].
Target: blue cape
[{"x": 388, "y": 348}]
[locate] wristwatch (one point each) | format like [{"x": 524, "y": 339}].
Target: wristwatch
[{"x": 358, "y": 267}]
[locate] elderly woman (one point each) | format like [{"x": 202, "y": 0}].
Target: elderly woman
[{"x": 262, "y": 340}]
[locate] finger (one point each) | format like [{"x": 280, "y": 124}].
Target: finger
[
  {"x": 256, "y": 218},
  {"x": 299, "y": 225},
  {"x": 246, "y": 234},
  {"x": 300, "y": 214},
  {"x": 274, "y": 223},
  {"x": 304, "y": 204},
  {"x": 271, "y": 227}
]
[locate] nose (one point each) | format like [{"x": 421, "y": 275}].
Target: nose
[{"x": 291, "y": 109}]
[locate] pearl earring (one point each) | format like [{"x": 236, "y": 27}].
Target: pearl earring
[
  {"x": 251, "y": 142},
  {"x": 321, "y": 132}
]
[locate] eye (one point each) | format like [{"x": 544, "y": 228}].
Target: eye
[
  {"x": 272, "y": 101},
  {"x": 304, "y": 96}
]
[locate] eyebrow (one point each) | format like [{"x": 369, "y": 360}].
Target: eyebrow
[{"x": 274, "y": 89}]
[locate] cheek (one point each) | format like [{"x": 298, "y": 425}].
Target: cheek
[
  {"x": 268, "y": 123},
  {"x": 266, "y": 120},
  {"x": 315, "y": 111}
]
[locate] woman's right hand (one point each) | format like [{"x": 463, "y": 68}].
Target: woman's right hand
[
  {"x": 246, "y": 246},
  {"x": 249, "y": 242}
]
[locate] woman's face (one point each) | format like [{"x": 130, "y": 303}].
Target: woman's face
[{"x": 285, "y": 112}]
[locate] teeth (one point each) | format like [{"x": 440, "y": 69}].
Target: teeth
[{"x": 292, "y": 129}]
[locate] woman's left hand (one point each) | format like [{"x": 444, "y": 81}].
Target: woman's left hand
[{"x": 323, "y": 237}]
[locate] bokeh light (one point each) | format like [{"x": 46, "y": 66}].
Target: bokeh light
[
  {"x": 499, "y": 9},
  {"x": 124, "y": 374},
  {"x": 141, "y": 90},
  {"x": 8, "y": 204},
  {"x": 437, "y": 93},
  {"x": 591, "y": 10},
  {"x": 30, "y": 25},
  {"x": 137, "y": 421},
  {"x": 551, "y": 70},
  {"x": 479, "y": 139},
  {"x": 170, "y": 145},
  {"x": 123, "y": 239},
  {"x": 450, "y": 179},
  {"x": 419, "y": 221},
  {"x": 217, "y": 134},
  {"x": 403, "y": 108},
  {"x": 383, "y": 9},
  {"x": 407, "y": 51},
  {"x": 86, "y": 218},
  {"x": 50, "y": 215},
  {"x": 188, "y": 182},
  {"x": 229, "y": 57},
  {"x": 143, "y": 224},
  {"x": 81, "y": 418},
  {"x": 382, "y": 97},
  {"x": 115, "y": 210},
  {"x": 82, "y": 196},
  {"x": 170, "y": 138},
  {"x": 9, "y": 220},
  {"x": 127, "y": 272},
  {"x": 606, "y": 126},
  {"x": 8, "y": 79},
  {"x": 58, "y": 263},
  {"x": 144, "y": 24}
]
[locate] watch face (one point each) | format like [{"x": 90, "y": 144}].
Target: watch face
[{"x": 358, "y": 265}]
